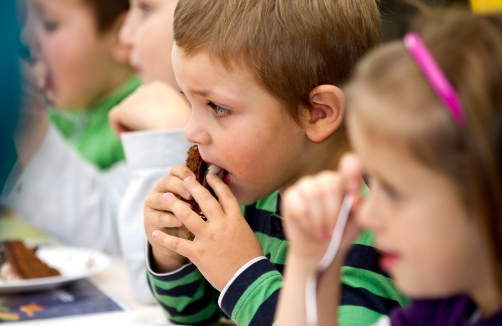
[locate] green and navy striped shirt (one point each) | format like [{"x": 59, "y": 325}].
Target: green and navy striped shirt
[{"x": 252, "y": 296}]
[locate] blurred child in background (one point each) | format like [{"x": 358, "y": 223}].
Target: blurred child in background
[
  {"x": 425, "y": 120},
  {"x": 85, "y": 70},
  {"x": 71, "y": 199}
]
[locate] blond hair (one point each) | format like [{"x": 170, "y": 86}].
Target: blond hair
[
  {"x": 289, "y": 46},
  {"x": 468, "y": 49}
]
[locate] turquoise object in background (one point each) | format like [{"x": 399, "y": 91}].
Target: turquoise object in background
[{"x": 9, "y": 86}]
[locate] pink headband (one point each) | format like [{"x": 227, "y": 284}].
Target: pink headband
[{"x": 435, "y": 76}]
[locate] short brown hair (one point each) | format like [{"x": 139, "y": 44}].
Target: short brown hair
[
  {"x": 468, "y": 49},
  {"x": 289, "y": 46},
  {"x": 107, "y": 11}
]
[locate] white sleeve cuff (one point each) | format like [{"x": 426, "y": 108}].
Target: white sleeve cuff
[
  {"x": 154, "y": 149},
  {"x": 239, "y": 272}
]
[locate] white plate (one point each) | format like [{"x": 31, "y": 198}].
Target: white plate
[{"x": 73, "y": 264}]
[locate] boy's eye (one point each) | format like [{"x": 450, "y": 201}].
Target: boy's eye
[{"x": 219, "y": 111}]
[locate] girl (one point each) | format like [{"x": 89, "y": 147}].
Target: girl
[{"x": 431, "y": 149}]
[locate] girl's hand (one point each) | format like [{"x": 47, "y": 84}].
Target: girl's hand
[
  {"x": 310, "y": 209},
  {"x": 158, "y": 216},
  {"x": 222, "y": 244}
]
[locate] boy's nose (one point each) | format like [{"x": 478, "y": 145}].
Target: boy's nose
[{"x": 195, "y": 132}]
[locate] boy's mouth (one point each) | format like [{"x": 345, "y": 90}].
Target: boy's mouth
[{"x": 220, "y": 172}]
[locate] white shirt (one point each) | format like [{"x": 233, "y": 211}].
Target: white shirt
[{"x": 78, "y": 204}]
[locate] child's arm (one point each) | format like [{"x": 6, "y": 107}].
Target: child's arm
[
  {"x": 146, "y": 166},
  {"x": 310, "y": 210},
  {"x": 68, "y": 198},
  {"x": 155, "y": 106},
  {"x": 78, "y": 204}
]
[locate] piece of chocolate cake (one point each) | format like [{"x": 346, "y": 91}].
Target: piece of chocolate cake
[
  {"x": 20, "y": 262},
  {"x": 195, "y": 163},
  {"x": 200, "y": 168}
]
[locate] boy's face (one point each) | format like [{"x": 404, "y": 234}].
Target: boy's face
[
  {"x": 148, "y": 30},
  {"x": 63, "y": 35},
  {"x": 240, "y": 127}
]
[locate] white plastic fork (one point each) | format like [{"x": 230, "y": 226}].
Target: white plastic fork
[{"x": 326, "y": 260}]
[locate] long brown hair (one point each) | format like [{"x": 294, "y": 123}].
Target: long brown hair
[{"x": 468, "y": 49}]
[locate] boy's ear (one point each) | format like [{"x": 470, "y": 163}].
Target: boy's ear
[
  {"x": 119, "y": 50},
  {"x": 326, "y": 115}
]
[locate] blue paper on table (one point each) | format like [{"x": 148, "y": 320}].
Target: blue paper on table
[{"x": 78, "y": 298}]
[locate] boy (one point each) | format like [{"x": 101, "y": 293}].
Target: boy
[
  {"x": 86, "y": 70},
  {"x": 84, "y": 209},
  {"x": 260, "y": 76}
]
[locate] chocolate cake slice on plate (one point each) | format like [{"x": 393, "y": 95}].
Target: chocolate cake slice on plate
[{"x": 20, "y": 262}]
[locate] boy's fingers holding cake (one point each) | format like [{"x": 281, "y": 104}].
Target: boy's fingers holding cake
[
  {"x": 225, "y": 196},
  {"x": 176, "y": 244},
  {"x": 208, "y": 204},
  {"x": 162, "y": 218},
  {"x": 184, "y": 213},
  {"x": 157, "y": 201},
  {"x": 172, "y": 184},
  {"x": 181, "y": 171}
]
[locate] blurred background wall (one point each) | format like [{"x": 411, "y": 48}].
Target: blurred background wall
[{"x": 396, "y": 15}]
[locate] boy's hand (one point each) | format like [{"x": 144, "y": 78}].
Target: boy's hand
[
  {"x": 155, "y": 106},
  {"x": 310, "y": 210},
  {"x": 158, "y": 216},
  {"x": 224, "y": 243}
]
